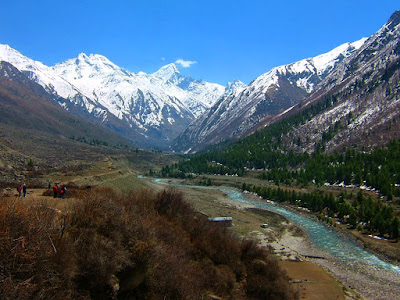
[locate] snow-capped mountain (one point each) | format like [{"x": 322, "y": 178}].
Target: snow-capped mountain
[
  {"x": 234, "y": 87},
  {"x": 199, "y": 94},
  {"x": 34, "y": 126},
  {"x": 363, "y": 93},
  {"x": 282, "y": 87},
  {"x": 118, "y": 90},
  {"x": 148, "y": 109}
]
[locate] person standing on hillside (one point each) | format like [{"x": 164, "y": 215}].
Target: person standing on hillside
[
  {"x": 62, "y": 191},
  {"x": 24, "y": 190},
  {"x": 19, "y": 189},
  {"x": 55, "y": 190}
]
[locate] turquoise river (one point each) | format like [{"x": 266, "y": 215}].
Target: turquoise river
[{"x": 343, "y": 250}]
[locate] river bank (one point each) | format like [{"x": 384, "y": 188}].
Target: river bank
[
  {"x": 386, "y": 249},
  {"x": 383, "y": 248},
  {"x": 368, "y": 281},
  {"x": 372, "y": 282}
]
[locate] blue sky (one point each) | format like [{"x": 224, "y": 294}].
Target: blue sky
[{"x": 224, "y": 40}]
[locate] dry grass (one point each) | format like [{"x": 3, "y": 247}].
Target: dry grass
[{"x": 312, "y": 281}]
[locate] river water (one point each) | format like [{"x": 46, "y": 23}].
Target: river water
[{"x": 343, "y": 250}]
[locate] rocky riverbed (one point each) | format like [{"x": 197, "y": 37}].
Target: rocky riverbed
[{"x": 369, "y": 281}]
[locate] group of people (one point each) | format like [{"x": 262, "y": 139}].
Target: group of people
[
  {"x": 21, "y": 189},
  {"x": 59, "y": 191}
]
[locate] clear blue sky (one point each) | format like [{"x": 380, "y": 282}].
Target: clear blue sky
[{"x": 227, "y": 39}]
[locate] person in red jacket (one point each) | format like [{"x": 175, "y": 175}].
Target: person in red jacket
[
  {"x": 19, "y": 189},
  {"x": 55, "y": 190},
  {"x": 62, "y": 191}
]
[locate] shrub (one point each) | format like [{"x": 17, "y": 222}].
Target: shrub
[
  {"x": 144, "y": 245},
  {"x": 35, "y": 260}
]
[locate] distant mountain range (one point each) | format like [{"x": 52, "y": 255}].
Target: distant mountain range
[
  {"x": 167, "y": 109},
  {"x": 148, "y": 109},
  {"x": 235, "y": 114}
]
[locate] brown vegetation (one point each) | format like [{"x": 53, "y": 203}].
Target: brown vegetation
[{"x": 144, "y": 245}]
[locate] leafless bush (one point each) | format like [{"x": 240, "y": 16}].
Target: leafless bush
[
  {"x": 143, "y": 245},
  {"x": 265, "y": 280},
  {"x": 31, "y": 253}
]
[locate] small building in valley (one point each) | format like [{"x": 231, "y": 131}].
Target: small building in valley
[{"x": 225, "y": 221}]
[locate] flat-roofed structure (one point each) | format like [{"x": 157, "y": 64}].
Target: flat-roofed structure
[{"x": 226, "y": 221}]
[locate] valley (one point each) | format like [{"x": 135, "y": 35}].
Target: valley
[
  {"x": 356, "y": 272},
  {"x": 313, "y": 281},
  {"x": 290, "y": 244},
  {"x": 304, "y": 163}
]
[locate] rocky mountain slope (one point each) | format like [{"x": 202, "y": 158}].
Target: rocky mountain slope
[
  {"x": 280, "y": 88},
  {"x": 362, "y": 96},
  {"x": 35, "y": 128},
  {"x": 148, "y": 109}
]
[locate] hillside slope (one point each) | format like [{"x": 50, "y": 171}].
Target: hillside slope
[
  {"x": 148, "y": 109},
  {"x": 362, "y": 97},
  {"x": 232, "y": 116},
  {"x": 34, "y": 127}
]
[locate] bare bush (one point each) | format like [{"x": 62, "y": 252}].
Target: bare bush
[
  {"x": 31, "y": 253},
  {"x": 144, "y": 245}
]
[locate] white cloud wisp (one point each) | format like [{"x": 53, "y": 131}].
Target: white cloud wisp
[{"x": 185, "y": 63}]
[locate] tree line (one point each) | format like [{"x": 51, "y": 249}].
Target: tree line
[
  {"x": 360, "y": 211},
  {"x": 379, "y": 169}
]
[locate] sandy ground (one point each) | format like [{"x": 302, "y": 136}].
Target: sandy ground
[{"x": 369, "y": 282}]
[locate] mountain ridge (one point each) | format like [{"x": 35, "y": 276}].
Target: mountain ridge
[
  {"x": 364, "y": 96},
  {"x": 232, "y": 116},
  {"x": 148, "y": 109},
  {"x": 33, "y": 127}
]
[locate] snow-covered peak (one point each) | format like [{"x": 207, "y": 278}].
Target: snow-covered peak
[
  {"x": 83, "y": 56},
  {"x": 234, "y": 87},
  {"x": 7, "y": 51},
  {"x": 94, "y": 59},
  {"x": 89, "y": 65},
  {"x": 328, "y": 60},
  {"x": 167, "y": 72},
  {"x": 307, "y": 72},
  {"x": 15, "y": 58}
]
